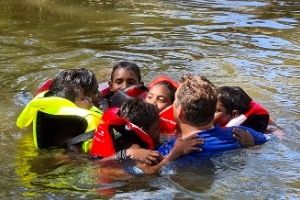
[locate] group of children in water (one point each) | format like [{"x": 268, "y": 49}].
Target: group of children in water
[{"x": 199, "y": 116}]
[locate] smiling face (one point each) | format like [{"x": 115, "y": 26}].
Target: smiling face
[
  {"x": 160, "y": 96},
  {"x": 122, "y": 79}
]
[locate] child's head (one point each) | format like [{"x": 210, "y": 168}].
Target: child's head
[
  {"x": 195, "y": 101},
  {"x": 72, "y": 92},
  {"x": 232, "y": 102},
  {"x": 85, "y": 78},
  {"x": 161, "y": 95},
  {"x": 124, "y": 75},
  {"x": 143, "y": 115}
]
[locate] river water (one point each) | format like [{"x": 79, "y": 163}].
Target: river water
[{"x": 253, "y": 44}]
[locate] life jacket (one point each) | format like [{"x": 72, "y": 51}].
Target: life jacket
[
  {"x": 113, "y": 134},
  {"x": 115, "y": 99},
  {"x": 44, "y": 87},
  {"x": 163, "y": 78},
  {"x": 257, "y": 118},
  {"x": 167, "y": 122},
  {"x": 132, "y": 91},
  {"x": 55, "y": 120}
]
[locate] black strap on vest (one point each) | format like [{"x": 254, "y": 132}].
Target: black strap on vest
[{"x": 80, "y": 138}]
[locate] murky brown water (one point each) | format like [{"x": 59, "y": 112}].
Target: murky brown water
[{"x": 254, "y": 44}]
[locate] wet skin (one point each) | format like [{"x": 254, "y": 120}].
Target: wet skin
[
  {"x": 159, "y": 96},
  {"x": 122, "y": 79},
  {"x": 222, "y": 117}
]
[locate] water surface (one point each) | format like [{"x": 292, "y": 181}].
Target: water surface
[{"x": 253, "y": 44}]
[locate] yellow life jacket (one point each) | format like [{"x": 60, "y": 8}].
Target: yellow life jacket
[{"x": 55, "y": 120}]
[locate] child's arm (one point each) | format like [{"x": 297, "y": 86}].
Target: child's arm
[
  {"x": 181, "y": 147},
  {"x": 248, "y": 137},
  {"x": 243, "y": 137},
  {"x": 135, "y": 152},
  {"x": 275, "y": 129}
]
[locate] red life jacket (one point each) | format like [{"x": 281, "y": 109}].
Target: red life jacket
[
  {"x": 115, "y": 99},
  {"x": 104, "y": 88},
  {"x": 167, "y": 124},
  {"x": 105, "y": 142},
  {"x": 167, "y": 121},
  {"x": 163, "y": 78},
  {"x": 44, "y": 87},
  {"x": 132, "y": 91},
  {"x": 257, "y": 118}
]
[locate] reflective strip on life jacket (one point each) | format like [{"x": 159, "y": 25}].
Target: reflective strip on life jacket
[{"x": 255, "y": 109}]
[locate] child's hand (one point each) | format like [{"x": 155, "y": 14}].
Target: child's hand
[
  {"x": 148, "y": 169},
  {"x": 144, "y": 155},
  {"x": 187, "y": 145},
  {"x": 275, "y": 131},
  {"x": 243, "y": 136}
]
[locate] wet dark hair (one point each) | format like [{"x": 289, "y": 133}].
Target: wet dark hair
[
  {"x": 128, "y": 66},
  {"x": 170, "y": 87},
  {"x": 198, "y": 99},
  {"x": 139, "y": 113},
  {"x": 234, "y": 98},
  {"x": 83, "y": 77},
  {"x": 65, "y": 90}
]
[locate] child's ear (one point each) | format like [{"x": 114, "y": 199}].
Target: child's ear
[
  {"x": 235, "y": 113},
  {"x": 109, "y": 84},
  {"x": 180, "y": 113}
]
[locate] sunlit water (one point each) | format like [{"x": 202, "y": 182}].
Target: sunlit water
[{"x": 254, "y": 44}]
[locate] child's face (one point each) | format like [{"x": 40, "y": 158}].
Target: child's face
[
  {"x": 222, "y": 117},
  {"x": 122, "y": 79},
  {"x": 159, "y": 96}
]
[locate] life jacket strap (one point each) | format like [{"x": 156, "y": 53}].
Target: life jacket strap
[{"x": 80, "y": 138}]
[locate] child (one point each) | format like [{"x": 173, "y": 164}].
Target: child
[
  {"x": 53, "y": 116},
  {"x": 161, "y": 94},
  {"x": 82, "y": 77},
  {"x": 72, "y": 92},
  {"x": 85, "y": 78},
  {"x": 146, "y": 117},
  {"x": 236, "y": 107},
  {"x": 125, "y": 77},
  {"x": 129, "y": 126}
]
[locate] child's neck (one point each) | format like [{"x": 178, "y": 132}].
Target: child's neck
[{"x": 188, "y": 130}]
